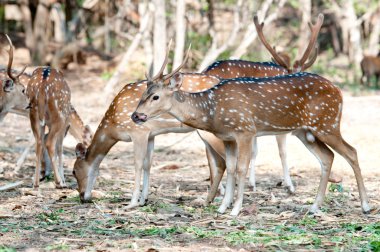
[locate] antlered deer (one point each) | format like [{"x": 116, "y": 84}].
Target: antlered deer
[
  {"x": 305, "y": 104},
  {"x": 12, "y": 92},
  {"x": 240, "y": 68},
  {"x": 370, "y": 66},
  {"x": 117, "y": 126}
]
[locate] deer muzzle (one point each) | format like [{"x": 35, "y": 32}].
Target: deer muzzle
[
  {"x": 84, "y": 198},
  {"x": 139, "y": 118}
]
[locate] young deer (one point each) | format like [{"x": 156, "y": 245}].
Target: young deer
[
  {"x": 50, "y": 107},
  {"x": 14, "y": 100},
  {"x": 12, "y": 92},
  {"x": 237, "y": 110}
]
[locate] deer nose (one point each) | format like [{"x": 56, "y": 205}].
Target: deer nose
[
  {"x": 84, "y": 199},
  {"x": 138, "y": 117}
]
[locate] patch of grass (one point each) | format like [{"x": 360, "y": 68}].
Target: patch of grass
[
  {"x": 50, "y": 218},
  {"x": 200, "y": 232},
  {"x": 6, "y": 249},
  {"x": 308, "y": 221},
  {"x": 211, "y": 209},
  {"x": 336, "y": 187},
  {"x": 58, "y": 247}
]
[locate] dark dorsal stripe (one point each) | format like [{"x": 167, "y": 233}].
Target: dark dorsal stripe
[{"x": 46, "y": 73}]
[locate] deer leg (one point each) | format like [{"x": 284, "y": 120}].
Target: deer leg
[
  {"x": 59, "y": 148},
  {"x": 244, "y": 148},
  {"x": 37, "y": 131},
  {"x": 216, "y": 160},
  {"x": 349, "y": 153},
  {"x": 140, "y": 147},
  {"x": 51, "y": 144},
  {"x": 252, "y": 177},
  {"x": 147, "y": 166},
  {"x": 325, "y": 156},
  {"x": 231, "y": 151},
  {"x": 217, "y": 167},
  {"x": 46, "y": 164},
  {"x": 281, "y": 143}
]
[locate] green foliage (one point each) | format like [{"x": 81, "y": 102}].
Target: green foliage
[
  {"x": 6, "y": 249},
  {"x": 106, "y": 75},
  {"x": 50, "y": 218},
  {"x": 336, "y": 187}
]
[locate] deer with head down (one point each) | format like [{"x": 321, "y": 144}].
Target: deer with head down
[
  {"x": 12, "y": 94},
  {"x": 19, "y": 104},
  {"x": 238, "y": 110},
  {"x": 50, "y": 108},
  {"x": 117, "y": 126}
]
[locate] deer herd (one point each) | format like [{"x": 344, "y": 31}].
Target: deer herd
[{"x": 229, "y": 104}]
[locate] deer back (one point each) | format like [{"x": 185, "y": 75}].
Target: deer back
[
  {"x": 370, "y": 65},
  {"x": 227, "y": 69},
  {"x": 49, "y": 94}
]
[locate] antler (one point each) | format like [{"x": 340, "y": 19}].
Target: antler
[
  {"x": 160, "y": 73},
  {"x": 276, "y": 57},
  {"x": 300, "y": 65},
  {"x": 180, "y": 66},
  {"x": 10, "y": 61}
]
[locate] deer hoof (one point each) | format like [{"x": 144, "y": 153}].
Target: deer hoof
[{"x": 60, "y": 186}]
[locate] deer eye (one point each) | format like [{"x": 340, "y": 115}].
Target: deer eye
[
  {"x": 74, "y": 172},
  {"x": 156, "y": 97}
]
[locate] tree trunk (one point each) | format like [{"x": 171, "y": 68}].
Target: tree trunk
[
  {"x": 180, "y": 33},
  {"x": 58, "y": 17},
  {"x": 27, "y": 24},
  {"x": 109, "y": 88},
  {"x": 373, "y": 47},
  {"x": 305, "y": 8},
  {"x": 40, "y": 32},
  {"x": 159, "y": 34},
  {"x": 147, "y": 35}
]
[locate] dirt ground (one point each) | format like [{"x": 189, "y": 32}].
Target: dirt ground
[{"x": 173, "y": 219}]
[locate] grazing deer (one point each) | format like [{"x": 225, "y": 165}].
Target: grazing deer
[
  {"x": 12, "y": 92},
  {"x": 117, "y": 126},
  {"x": 77, "y": 128},
  {"x": 50, "y": 107},
  {"x": 237, "y": 110},
  {"x": 370, "y": 66}
]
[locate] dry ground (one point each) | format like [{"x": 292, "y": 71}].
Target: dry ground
[{"x": 173, "y": 220}]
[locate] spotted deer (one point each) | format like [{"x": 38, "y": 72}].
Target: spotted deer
[
  {"x": 12, "y": 93},
  {"x": 50, "y": 108},
  {"x": 117, "y": 126},
  {"x": 238, "y": 110},
  {"x": 19, "y": 104},
  {"x": 240, "y": 68}
]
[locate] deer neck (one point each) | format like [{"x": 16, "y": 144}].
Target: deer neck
[
  {"x": 99, "y": 147},
  {"x": 194, "y": 109}
]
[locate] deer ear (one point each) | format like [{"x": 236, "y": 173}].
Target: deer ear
[
  {"x": 80, "y": 151},
  {"x": 87, "y": 135},
  {"x": 176, "y": 82},
  {"x": 8, "y": 85}
]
